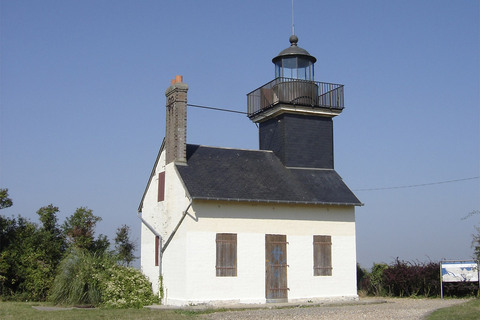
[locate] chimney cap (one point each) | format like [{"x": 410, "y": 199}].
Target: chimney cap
[{"x": 177, "y": 79}]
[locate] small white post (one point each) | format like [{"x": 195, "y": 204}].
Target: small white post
[
  {"x": 478, "y": 276},
  {"x": 441, "y": 281}
]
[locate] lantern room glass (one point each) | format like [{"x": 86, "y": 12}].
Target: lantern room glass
[{"x": 294, "y": 67}]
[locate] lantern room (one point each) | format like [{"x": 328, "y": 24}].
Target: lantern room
[
  {"x": 294, "y": 89},
  {"x": 294, "y": 62}
]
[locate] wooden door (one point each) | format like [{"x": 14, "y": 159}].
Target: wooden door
[{"x": 276, "y": 289}]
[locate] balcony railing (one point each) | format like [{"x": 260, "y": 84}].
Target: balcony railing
[{"x": 296, "y": 92}]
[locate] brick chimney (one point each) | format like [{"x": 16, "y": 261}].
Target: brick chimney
[{"x": 176, "y": 128}]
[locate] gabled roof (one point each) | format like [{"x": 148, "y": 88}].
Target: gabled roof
[{"x": 259, "y": 176}]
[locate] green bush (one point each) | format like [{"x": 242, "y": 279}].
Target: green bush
[
  {"x": 86, "y": 278},
  {"x": 126, "y": 287},
  {"x": 375, "y": 284}
]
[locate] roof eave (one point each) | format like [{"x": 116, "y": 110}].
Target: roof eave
[{"x": 358, "y": 204}]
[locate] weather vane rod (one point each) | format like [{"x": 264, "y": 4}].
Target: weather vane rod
[{"x": 293, "y": 21}]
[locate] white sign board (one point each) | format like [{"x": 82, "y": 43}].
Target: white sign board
[{"x": 459, "y": 271}]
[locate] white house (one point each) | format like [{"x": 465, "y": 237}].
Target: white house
[{"x": 253, "y": 226}]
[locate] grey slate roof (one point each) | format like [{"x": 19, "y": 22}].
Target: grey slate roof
[{"x": 256, "y": 175}]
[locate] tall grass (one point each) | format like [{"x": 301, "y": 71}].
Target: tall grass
[{"x": 78, "y": 278}]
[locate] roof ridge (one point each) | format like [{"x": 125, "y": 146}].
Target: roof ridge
[
  {"x": 230, "y": 148},
  {"x": 306, "y": 168}
]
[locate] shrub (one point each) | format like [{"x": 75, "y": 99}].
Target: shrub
[
  {"x": 373, "y": 282},
  {"x": 126, "y": 287},
  {"x": 86, "y": 278},
  {"x": 361, "y": 274},
  {"x": 405, "y": 278}
]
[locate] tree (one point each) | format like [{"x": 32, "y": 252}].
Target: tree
[
  {"x": 50, "y": 233},
  {"x": 124, "y": 246},
  {"x": 15, "y": 238},
  {"x": 7, "y": 232},
  {"x": 476, "y": 237},
  {"x": 5, "y": 201},
  {"x": 48, "y": 218},
  {"x": 50, "y": 241},
  {"x": 30, "y": 254},
  {"x": 101, "y": 245},
  {"x": 476, "y": 243},
  {"x": 80, "y": 229}
]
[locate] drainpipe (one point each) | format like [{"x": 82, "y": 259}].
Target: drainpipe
[
  {"x": 176, "y": 228},
  {"x": 162, "y": 249},
  {"x": 139, "y": 215}
]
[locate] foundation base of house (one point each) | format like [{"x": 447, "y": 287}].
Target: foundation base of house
[{"x": 252, "y": 304}]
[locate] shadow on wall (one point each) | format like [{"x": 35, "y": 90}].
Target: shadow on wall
[{"x": 262, "y": 211}]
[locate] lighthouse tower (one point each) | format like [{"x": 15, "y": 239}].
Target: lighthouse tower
[{"x": 295, "y": 112}]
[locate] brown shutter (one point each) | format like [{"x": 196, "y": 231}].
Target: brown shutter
[
  {"x": 322, "y": 255},
  {"x": 226, "y": 264},
  {"x": 157, "y": 247},
  {"x": 161, "y": 186}
]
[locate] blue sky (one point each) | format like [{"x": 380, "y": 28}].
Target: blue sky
[{"x": 82, "y": 104}]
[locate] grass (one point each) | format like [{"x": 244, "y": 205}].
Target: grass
[
  {"x": 466, "y": 311},
  {"x": 24, "y": 310}
]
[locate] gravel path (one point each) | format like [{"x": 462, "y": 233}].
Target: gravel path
[{"x": 366, "y": 308}]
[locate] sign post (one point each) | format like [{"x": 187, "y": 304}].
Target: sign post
[{"x": 458, "y": 271}]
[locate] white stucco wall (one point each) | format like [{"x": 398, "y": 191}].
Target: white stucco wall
[
  {"x": 163, "y": 217},
  {"x": 196, "y": 243},
  {"x": 151, "y": 212},
  {"x": 155, "y": 214}
]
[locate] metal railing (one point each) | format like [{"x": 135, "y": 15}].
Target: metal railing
[{"x": 296, "y": 92}]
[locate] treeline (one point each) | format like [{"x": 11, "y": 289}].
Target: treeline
[
  {"x": 409, "y": 279},
  {"x": 66, "y": 263}
]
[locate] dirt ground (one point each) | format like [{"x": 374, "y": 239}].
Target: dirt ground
[{"x": 365, "y": 308}]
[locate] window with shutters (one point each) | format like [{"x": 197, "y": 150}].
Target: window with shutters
[
  {"x": 157, "y": 249},
  {"x": 161, "y": 186},
  {"x": 322, "y": 255},
  {"x": 226, "y": 264}
]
